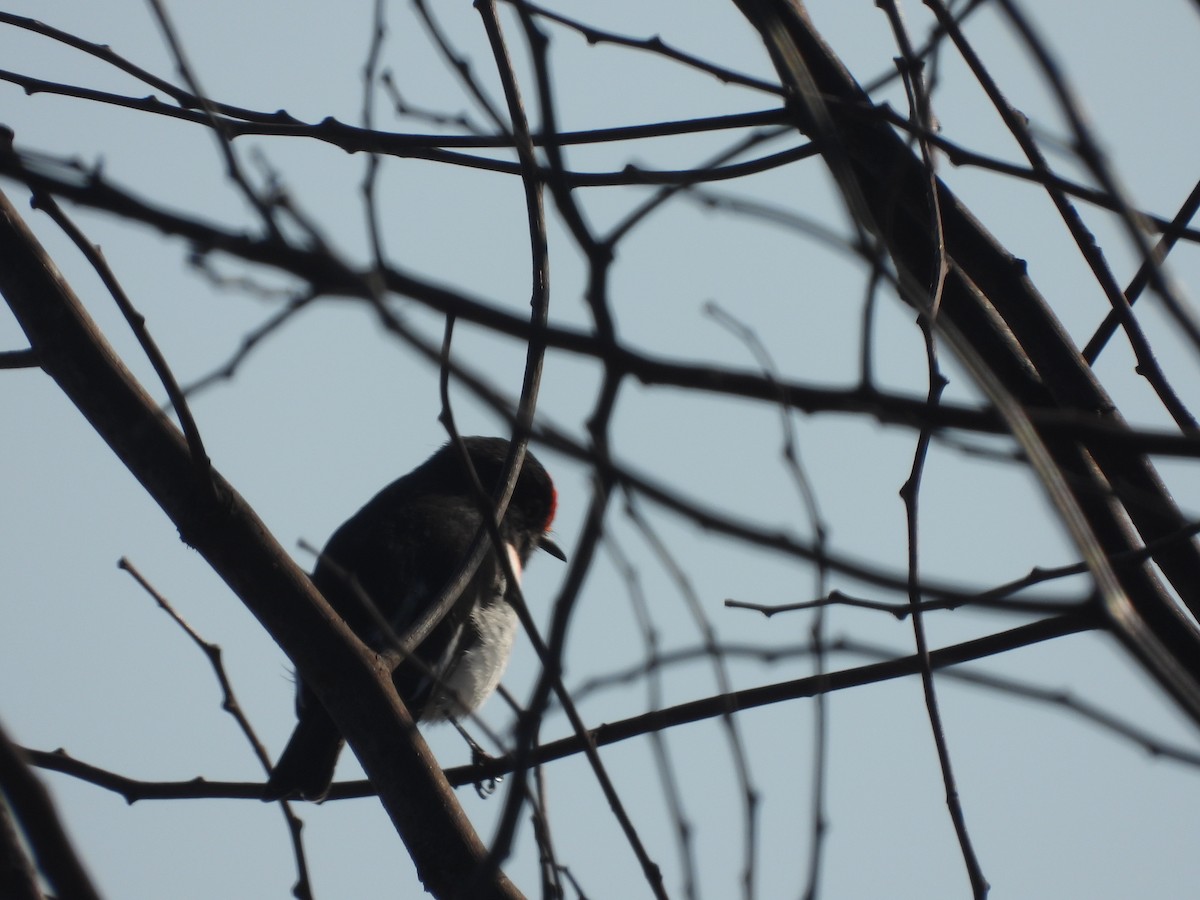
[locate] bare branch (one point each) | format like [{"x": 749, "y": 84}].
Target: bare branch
[{"x": 33, "y": 812}]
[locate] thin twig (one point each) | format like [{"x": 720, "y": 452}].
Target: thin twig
[
  {"x": 651, "y": 669},
  {"x": 233, "y": 168},
  {"x": 749, "y": 793},
  {"x": 137, "y": 324},
  {"x": 1141, "y": 278},
  {"x": 302, "y": 890},
  {"x": 920, "y": 111}
]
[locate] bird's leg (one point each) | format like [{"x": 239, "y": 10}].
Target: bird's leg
[{"x": 484, "y": 788}]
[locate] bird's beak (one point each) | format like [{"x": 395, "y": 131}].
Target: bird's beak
[{"x": 552, "y": 548}]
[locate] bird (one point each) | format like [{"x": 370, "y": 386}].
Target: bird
[{"x": 397, "y": 554}]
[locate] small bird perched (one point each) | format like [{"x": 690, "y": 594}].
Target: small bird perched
[{"x": 398, "y": 553}]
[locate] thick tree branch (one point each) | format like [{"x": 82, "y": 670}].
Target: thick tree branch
[
  {"x": 1002, "y": 328},
  {"x": 213, "y": 518}
]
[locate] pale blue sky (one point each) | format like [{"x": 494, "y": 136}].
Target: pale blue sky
[{"x": 330, "y": 409}]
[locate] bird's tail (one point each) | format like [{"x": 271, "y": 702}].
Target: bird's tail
[{"x": 305, "y": 768}]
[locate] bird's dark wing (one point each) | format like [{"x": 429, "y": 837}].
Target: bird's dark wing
[{"x": 389, "y": 561}]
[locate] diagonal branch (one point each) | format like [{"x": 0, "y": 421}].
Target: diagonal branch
[
  {"x": 213, "y": 518},
  {"x": 1003, "y": 330},
  {"x": 33, "y": 812}
]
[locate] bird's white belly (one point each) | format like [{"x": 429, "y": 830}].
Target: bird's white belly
[
  {"x": 478, "y": 673},
  {"x": 476, "y": 677}
]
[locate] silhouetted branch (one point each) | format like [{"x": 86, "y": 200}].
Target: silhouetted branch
[
  {"x": 239, "y": 547},
  {"x": 34, "y": 815}
]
